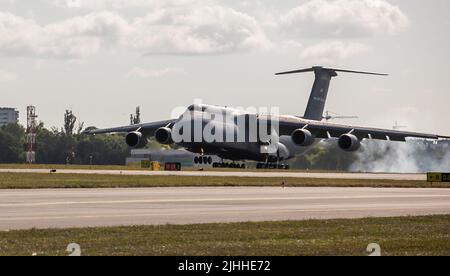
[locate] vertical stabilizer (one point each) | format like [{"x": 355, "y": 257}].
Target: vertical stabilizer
[{"x": 319, "y": 92}]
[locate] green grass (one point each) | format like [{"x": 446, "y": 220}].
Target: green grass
[
  {"x": 69, "y": 167},
  {"x": 396, "y": 236},
  {"x": 39, "y": 181}
]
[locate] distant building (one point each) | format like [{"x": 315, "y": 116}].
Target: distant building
[{"x": 8, "y": 116}]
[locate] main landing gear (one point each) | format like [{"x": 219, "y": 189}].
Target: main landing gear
[
  {"x": 207, "y": 160},
  {"x": 272, "y": 166},
  {"x": 229, "y": 165},
  {"x": 203, "y": 160}
]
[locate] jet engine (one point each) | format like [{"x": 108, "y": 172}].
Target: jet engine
[
  {"x": 136, "y": 140},
  {"x": 349, "y": 142},
  {"x": 164, "y": 136},
  {"x": 302, "y": 138}
]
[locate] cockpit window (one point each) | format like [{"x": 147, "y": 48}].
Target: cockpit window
[{"x": 197, "y": 108}]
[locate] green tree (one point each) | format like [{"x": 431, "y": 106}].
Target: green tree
[
  {"x": 104, "y": 150},
  {"x": 69, "y": 122},
  {"x": 324, "y": 157},
  {"x": 136, "y": 119},
  {"x": 12, "y": 140}
]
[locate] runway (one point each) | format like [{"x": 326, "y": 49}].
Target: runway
[
  {"x": 26, "y": 209},
  {"x": 262, "y": 174}
]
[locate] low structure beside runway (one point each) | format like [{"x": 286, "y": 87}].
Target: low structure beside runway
[{"x": 438, "y": 177}]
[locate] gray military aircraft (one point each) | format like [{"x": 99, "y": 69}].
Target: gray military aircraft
[{"x": 241, "y": 138}]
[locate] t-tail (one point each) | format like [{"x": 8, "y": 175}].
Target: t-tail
[{"x": 319, "y": 93}]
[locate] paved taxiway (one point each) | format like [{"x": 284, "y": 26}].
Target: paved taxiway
[
  {"x": 286, "y": 174},
  {"x": 25, "y": 209}
]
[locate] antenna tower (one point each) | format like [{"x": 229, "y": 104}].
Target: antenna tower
[{"x": 31, "y": 134}]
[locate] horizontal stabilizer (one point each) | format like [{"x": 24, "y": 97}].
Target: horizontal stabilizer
[
  {"x": 331, "y": 70},
  {"x": 316, "y": 104}
]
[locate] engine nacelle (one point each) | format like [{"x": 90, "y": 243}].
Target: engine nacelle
[
  {"x": 136, "y": 140},
  {"x": 302, "y": 138},
  {"x": 164, "y": 136},
  {"x": 349, "y": 142}
]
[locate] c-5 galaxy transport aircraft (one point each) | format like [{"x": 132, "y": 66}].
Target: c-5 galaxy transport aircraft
[{"x": 270, "y": 139}]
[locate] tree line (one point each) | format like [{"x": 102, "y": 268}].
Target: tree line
[{"x": 63, "y": 146}]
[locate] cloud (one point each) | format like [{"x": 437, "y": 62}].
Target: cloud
[
  {"x": 138, "y": 72},
  {"x": 72, "y": 3},
  {"x": 345, "y": 18},
  {"x": 193, "y": 27},
  {"x": 73, "y": 38},
  {"x": 7, "y": 76},
  {"x": 198, "y": 30},
  {"x": 331, "y": 52},
  {"x": 187, "y": 30},
  {"x": 119, "y": 4}
]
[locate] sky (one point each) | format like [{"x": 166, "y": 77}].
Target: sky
[{"x": 102, "y": 58}]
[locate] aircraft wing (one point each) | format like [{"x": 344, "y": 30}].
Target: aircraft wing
[
  {"x": 328, "y": 130},
  {"x": 147, "y": 129}
]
